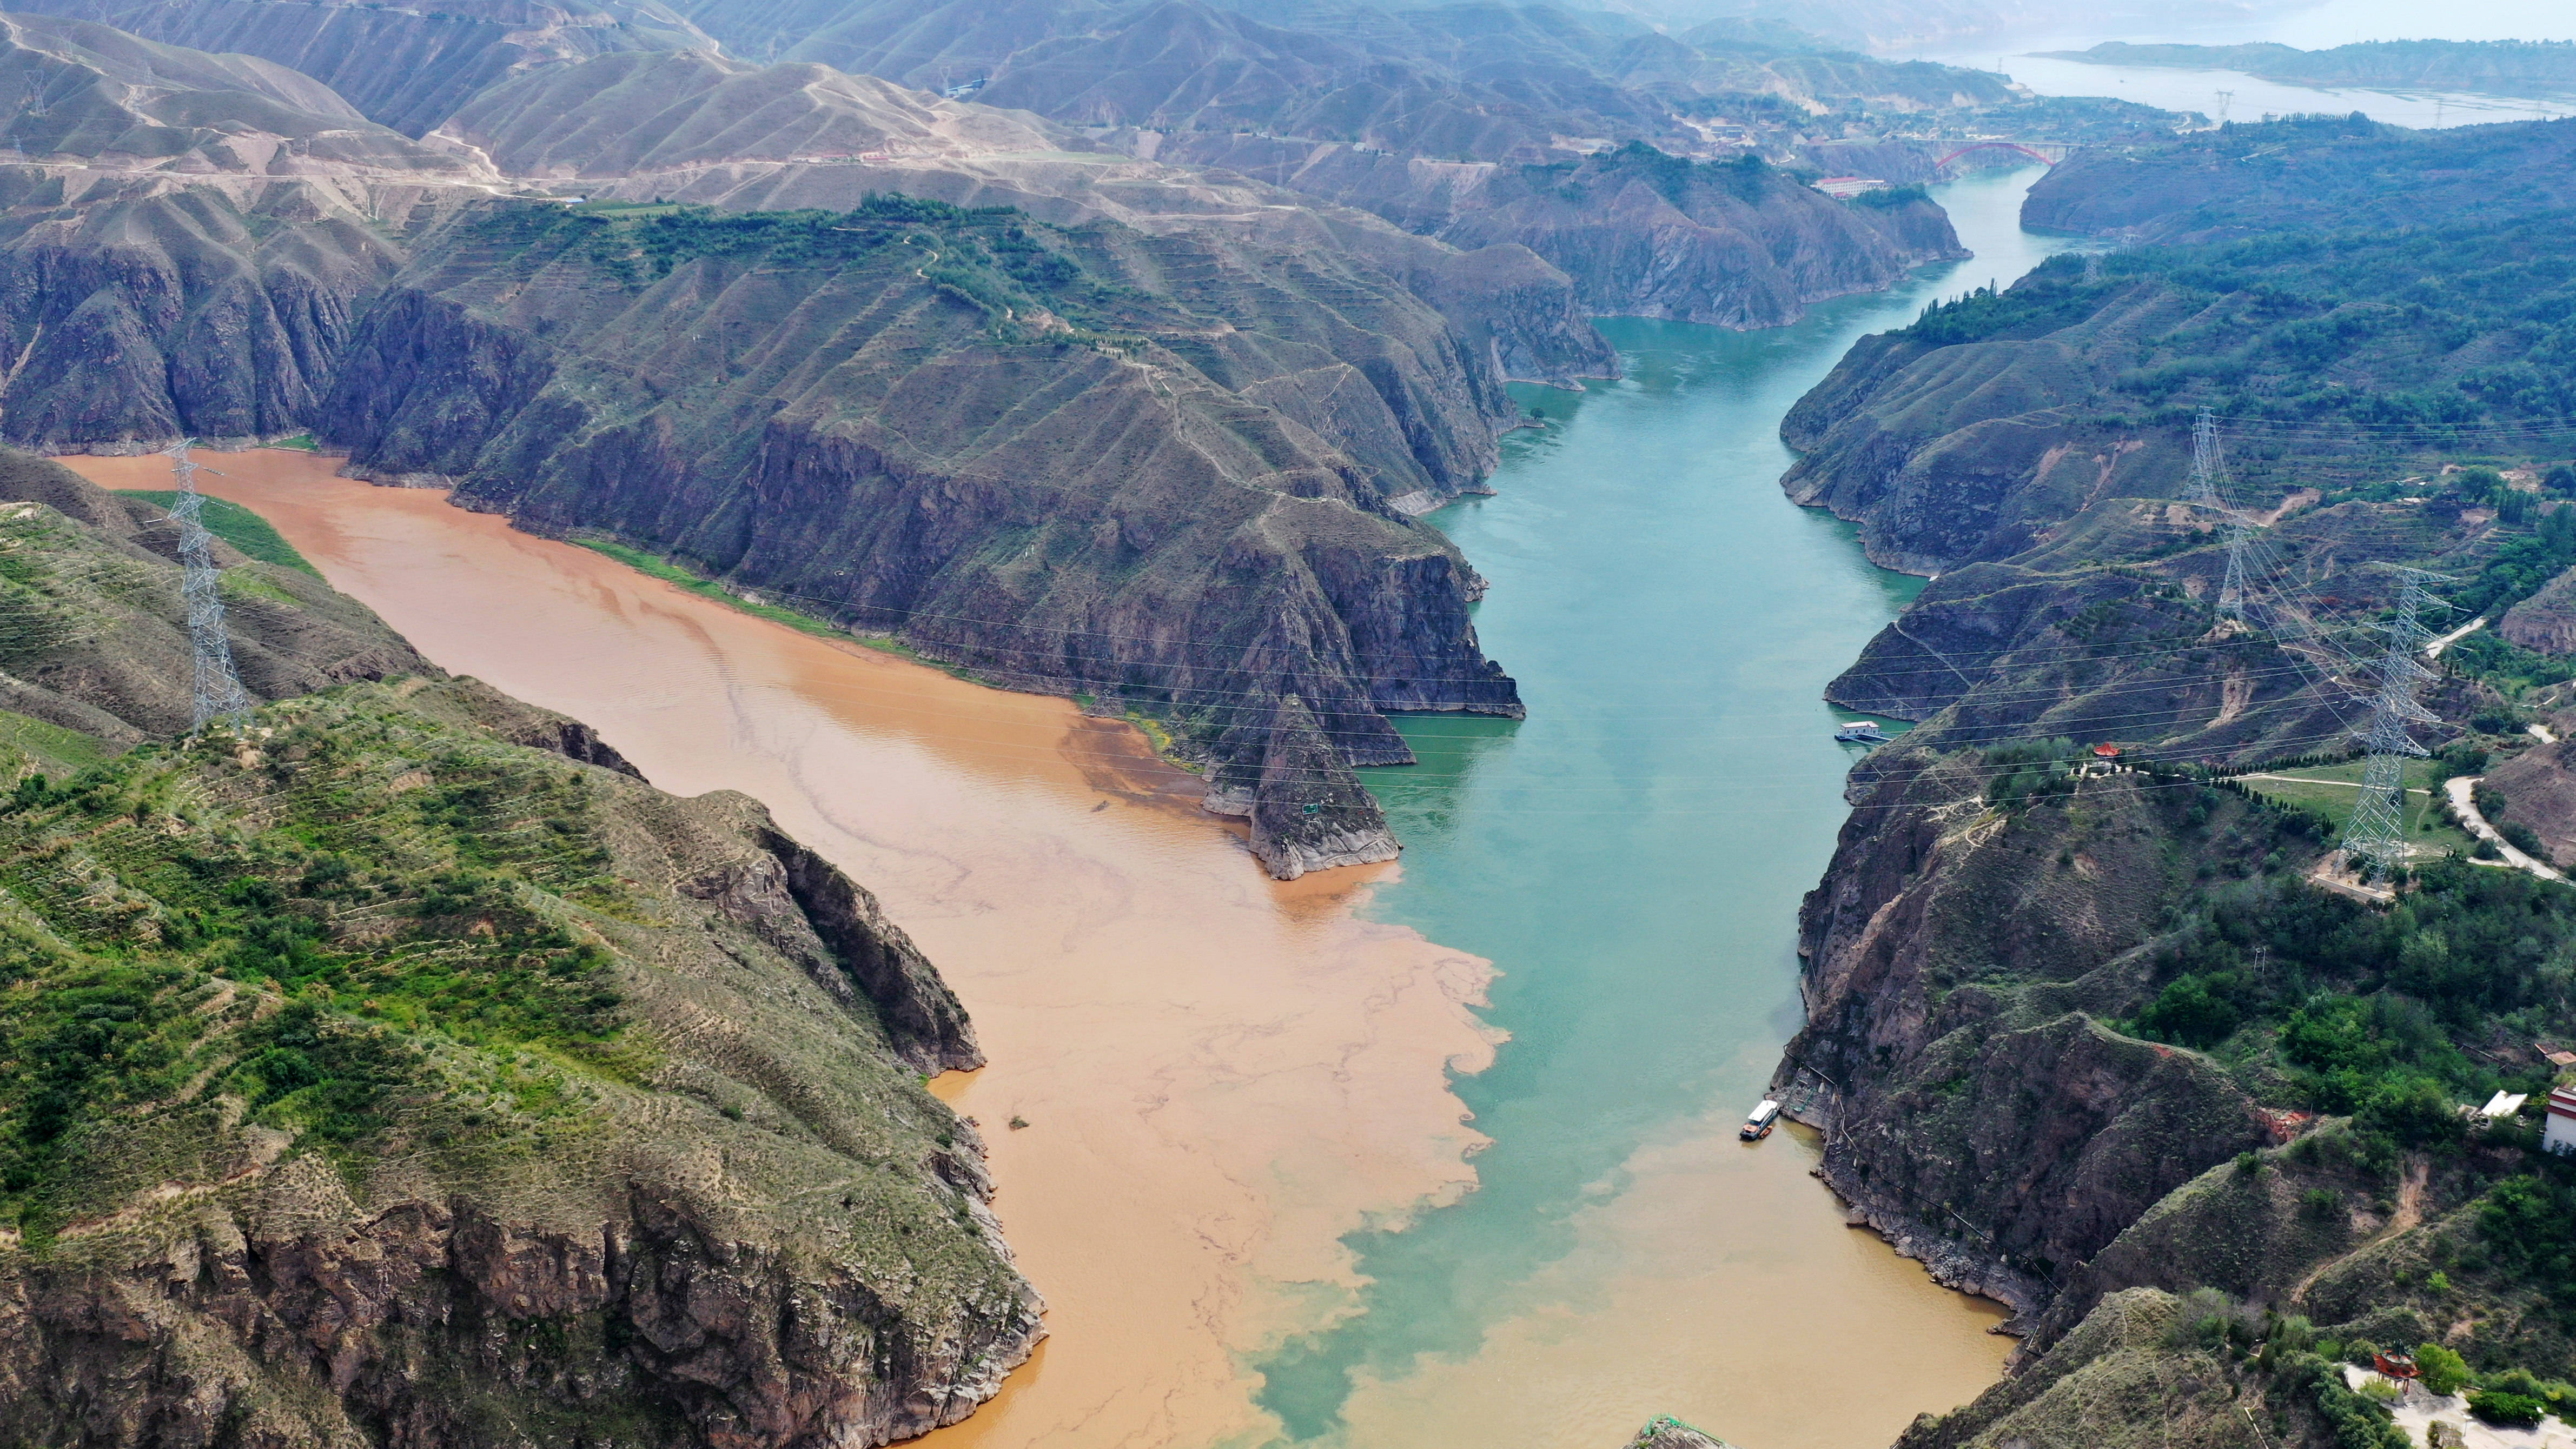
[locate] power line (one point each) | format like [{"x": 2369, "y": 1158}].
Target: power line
[
  {"x": 219, "y": 694},
  {"x": 2377, "y": 830}
]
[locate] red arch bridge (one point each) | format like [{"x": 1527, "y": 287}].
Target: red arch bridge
[{"x": 2045, "y": 152}]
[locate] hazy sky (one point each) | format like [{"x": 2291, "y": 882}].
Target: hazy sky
[{"x": 2340, "y": 22}]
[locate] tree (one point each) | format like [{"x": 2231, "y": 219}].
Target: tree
[{"x": 2445, "y": 1372}]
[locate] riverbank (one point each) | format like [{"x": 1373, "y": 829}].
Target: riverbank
[{"x": 1220, "y": 1074}]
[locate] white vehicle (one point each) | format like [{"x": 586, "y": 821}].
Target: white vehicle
[{"x": 1758, "y": 1126}]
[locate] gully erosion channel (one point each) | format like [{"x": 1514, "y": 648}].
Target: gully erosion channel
[{"x": 1283, "y": 1177}]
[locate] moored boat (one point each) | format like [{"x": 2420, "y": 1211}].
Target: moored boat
[{"x": 1766, "y": 1115}]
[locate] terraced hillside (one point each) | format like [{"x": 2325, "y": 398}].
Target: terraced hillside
[{"x": 366, "y": 1066}]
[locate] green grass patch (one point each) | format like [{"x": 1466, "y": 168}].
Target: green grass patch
[
  {"x": 235, "y": 525},
  {"x": 671, "y": 573},
  {"x": 2334, "y": 790},
  {"x": 301, "y": 442},
  {"x": 51, "y": 745}
]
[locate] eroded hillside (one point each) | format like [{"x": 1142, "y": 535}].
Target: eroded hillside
[{"x": 367, "y": 1066}]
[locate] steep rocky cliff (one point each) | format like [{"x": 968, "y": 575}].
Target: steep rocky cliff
[
  {"x": 367, "y": 1077},
  {"x": 144, "y": 311},
  {"x": 1963, "y": 964},
  {"x": 1090, "y": 460}
]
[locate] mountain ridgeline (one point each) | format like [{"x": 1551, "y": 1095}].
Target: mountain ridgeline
[{"x": 2099, "y": 1043}]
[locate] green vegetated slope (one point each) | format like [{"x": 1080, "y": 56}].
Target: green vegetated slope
[
  {"x": 1737, "y": 243},
  {"x": 2495, "y": 67},
  {"x": 94, "y": 630},
  {"x": 2388, "y": 396},
  {"x": 2307, "y": 171},
  {"x": 235, "y": 525},
  {"x": 400, "y": 1057},
  {"x": 2102, "y": 1047},
  {"x": 1157, "y": 469}
]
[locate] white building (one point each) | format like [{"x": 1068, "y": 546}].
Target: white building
[{"x": 2561, "y": 1136}]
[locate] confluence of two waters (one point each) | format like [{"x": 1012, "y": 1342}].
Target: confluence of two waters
[
  {"x": 1631, "y": 856},
  {"x": 1224, "y": 1076}
]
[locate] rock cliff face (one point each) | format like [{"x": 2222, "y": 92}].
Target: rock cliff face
[
  {"x": 2539, "y": 788},
  {"x": 453, "y": 1091},
  {"x": 1960, "y": 964},
  {"x": 146, "y": 312},
  {"x": 1122, "y": 494},
  {"x": 2546, "y": 621}
]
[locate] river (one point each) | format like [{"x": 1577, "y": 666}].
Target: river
[{"x": 1244, "y": 1183}]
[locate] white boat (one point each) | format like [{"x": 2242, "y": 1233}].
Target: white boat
[
  {"x": 1861, "y": 732},
  {"x": 1766, "y": 1115}
]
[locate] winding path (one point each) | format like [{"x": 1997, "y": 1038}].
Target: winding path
[{"x": 2462, "y": 790}]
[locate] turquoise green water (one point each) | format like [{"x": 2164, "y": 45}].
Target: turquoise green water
[{"x": 1632, "y": 855}]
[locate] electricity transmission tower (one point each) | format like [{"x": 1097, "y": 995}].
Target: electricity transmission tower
[
  {"x": 219, "y": 692},
  {"x": 2208, "y": 465},
  {"x": 2376, "y": 834}
]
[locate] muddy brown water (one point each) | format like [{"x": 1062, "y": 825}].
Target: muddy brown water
[{"x": 1221, "y": 1075}]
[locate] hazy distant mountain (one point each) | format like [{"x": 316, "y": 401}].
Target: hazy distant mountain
[
  {"x": 1478, "y": 80},
  {"x": 90, "y": 91},
  {"x": 2492, "y": 67},
  {"x": 408, "y": 67}
]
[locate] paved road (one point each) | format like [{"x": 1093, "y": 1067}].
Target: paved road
[{"x": 2463, "y": 790}]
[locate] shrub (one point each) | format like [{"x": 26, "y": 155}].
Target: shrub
[
  {"x": 2495, "y": 1406},
  {"x": 2445, "y": 1372},
  {"x": 2384, "y": 1390}
]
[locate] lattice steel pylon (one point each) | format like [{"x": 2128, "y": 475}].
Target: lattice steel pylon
[
  {"x": 2208, "y": 466},
  {"x": 2376, "y": 834},
  {"x": 219, "y": 692}
]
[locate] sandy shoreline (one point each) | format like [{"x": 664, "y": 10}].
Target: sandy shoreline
[{"x": 1221, "y": 1074}]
